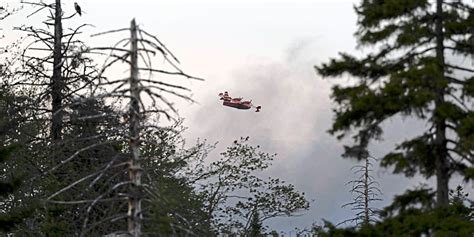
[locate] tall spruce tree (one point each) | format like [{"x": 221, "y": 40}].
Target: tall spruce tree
[{"x": 417, "y": 70}]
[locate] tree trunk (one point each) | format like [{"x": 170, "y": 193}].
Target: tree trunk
[
  {"x": 442, "y": 171},
  {"x": 366, "y": 192},
  {"x": 56, "y": 80},
  {"x": 134, "y": 200}
]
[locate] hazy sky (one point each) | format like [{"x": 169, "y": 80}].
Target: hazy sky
[{"x": 265, "y": 51}]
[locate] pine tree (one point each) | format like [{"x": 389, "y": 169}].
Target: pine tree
[{"x": 415, "y": 72}]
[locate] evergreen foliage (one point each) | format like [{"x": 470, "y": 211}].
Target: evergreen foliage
[
  {"x": 6, "y": 188},
  {"x": 10, "y": 149},
  {"x": 411, "y": 73}
]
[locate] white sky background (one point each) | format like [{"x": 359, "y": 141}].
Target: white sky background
[{"x": 265, "y": 51}]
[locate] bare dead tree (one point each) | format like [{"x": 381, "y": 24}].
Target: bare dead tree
[
  {"x": 52, "y": 63},
  {"x": 57, "y": 82},
  {"x": 134, "y": 201},
  {"x": 366, "y": 191},
  {"x": 144, "y": 99}
]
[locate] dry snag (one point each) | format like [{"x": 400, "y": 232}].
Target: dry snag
[
  {"x": 366, "y": 192},
  {"x": 138, "y": 102}
]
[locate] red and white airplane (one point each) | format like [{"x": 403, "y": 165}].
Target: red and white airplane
[{"x": 237, "y": 102}]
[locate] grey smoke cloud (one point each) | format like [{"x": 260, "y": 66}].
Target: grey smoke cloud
[{"x": 293, "y": 122}]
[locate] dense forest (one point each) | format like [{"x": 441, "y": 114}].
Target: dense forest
[{"x": 92, "y": 143}]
